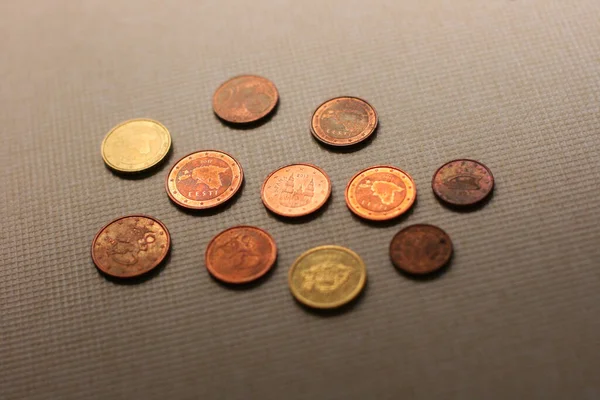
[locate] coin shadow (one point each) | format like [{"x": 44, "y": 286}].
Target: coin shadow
[
  {"x": 387, "y": 223},
  {"x": 351, "y": 148},
  {"x": 467, "y": 209},
  {"x": 334, "y": 312},
  {"x": 207, "y": 212},
  {"x": 432, "y": 276},
  {"x": 303, "y": 219},
  {"x": 242, "y": 287},
  {"x": 134, "y": 176},
  {"x": 138, "y": 279},
  {"x": 249, "y": 125}
]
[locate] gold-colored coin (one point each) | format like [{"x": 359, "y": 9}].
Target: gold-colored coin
[
  {"x": 327, "y": 277},
  {"x": 136, "y": 145}
]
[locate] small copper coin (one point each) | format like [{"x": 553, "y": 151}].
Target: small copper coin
[
  {"x": 380, "y": 193},
  {"x": 296, "y": 190},
  {"x": 245, "y": 98},
  {"x": 462, "y": 182},
  {"x": 420, "y": 249},
  {"x": 130, "y": 246},
  {"x": 343, "y": 121},
  {"x": 240, "y": 254},
  {"x": 204, "y": 179}
]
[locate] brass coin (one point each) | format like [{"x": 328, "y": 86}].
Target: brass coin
[
  {"x": 343, "y": 121},
  {"x": 244, "y": 99},
  {"x": 136, "y": 145},
  {"x": 130, "y": 246},
  {"x": 327, "y": 277}
]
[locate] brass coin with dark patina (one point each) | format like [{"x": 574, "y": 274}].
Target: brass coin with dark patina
[
  {"x": 463, "y": 182},
  {"x": 244, "y": 99},
  {"x": 420, "y": 249}
]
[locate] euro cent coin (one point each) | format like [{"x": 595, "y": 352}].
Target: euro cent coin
[
  {"x": 296, "y": 190},
  {"x": 204, "y": 179},
  {"x": 420, "y": 249},
  {"x": 136, "y": 145},
  {"x": 343, "y": 121},
  {"x": 245, "y": 98},
  {"x": 327, "y": 277},
  {"x": 130, "y": 246},
  {"x": 240, "y": 254},
  {"x": 463, "y": 182},
  {"x": 380, "y": 193}
]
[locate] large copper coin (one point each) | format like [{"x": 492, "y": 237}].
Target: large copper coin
[
  {"x": 130, "y": 246},
  {"x": 463, "y": 182},
  {"x": 420, "y": 249},
  {"x": 240, "y": 254},
  {"x": 327, "y": 277},
  {"x": 380, "y": 193},
  {"x": 245, "y": 98},
  {"x": 343, "y": 121},
  {"x": 296, "y": 190},
  {"x": 204, "y": 179}
]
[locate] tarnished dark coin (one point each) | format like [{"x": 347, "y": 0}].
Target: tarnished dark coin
[
  {"x": 420, "y": 249},
  {"x": 240, "y": 254},
  {"x": 245, "y": 98},
  {"x": 130, "y": 246},
  {"x": 462, "y": 182}
]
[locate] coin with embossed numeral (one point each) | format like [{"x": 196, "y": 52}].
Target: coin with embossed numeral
[
  {"x": 245, "y": 98},
  {"x": 420, "y": 249},
  {"x": 296, "y": 190},
  {"x": 327, "y": 277},
  {"x": 463, "y": 182},
  {"x": 343, "y": 121},
  {"x": 204, "y": 179},
  {"x": 130, "y": 246}
]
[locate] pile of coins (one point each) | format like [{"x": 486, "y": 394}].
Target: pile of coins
[{"x": 323, "y": 277}]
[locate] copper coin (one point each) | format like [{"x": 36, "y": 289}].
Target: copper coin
[
  {"x": 204, "y": 179},
  {"x": 380, "y": 193},
  {"x": 240, "y": 254},
  {"x": 130, "y": 246},
  {"x": 245, "y": 98},
  {"x": 420, "y": 249},
  {"x": 296, "y": 190},
  {"x": 463, "y": 182},
  {"x": 343, "y": 121}
]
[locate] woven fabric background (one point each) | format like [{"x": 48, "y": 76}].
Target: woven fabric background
[{"x": 513, "y": 83}]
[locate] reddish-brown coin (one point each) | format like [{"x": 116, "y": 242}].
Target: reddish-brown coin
[
  {"x": 463, "y": 182},
  {"x": 343, "y": 121},
  {"x": 204, "y": 179},
  {"x": 130, "y": 246},
  {"x": 245, "y": 98},
  {"x": 380, "y": 193},
  {"x": 420, "y": 249},
  {"x": 296, "y": 190},
  {"x": 240, "y": 254}
]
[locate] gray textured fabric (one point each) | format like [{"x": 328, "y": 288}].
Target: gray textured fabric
[{"x": 515, "y": 84}]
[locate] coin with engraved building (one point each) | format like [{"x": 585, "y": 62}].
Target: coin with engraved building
[{"x": 463, "y": 182}]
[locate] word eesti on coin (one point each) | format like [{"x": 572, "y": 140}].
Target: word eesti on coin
[{"x": 204, "y": 179}]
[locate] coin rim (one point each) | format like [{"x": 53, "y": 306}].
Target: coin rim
[
  {"x": 348, "y": 299},
  {"x": 335, "y": 144},
  {"x": 159, "y": 261},
  {"x": 188, "y": 206},
  {"x": 378, "y": 217},
  {"x": 161, "y": 158},
  {"x": 410, "y": 272},
  {"x": 262, "y": 190},
  {"x": 263, "y": 272},
  {"x": 439, "y": 196},
  {"x": 269, "y": 110}
]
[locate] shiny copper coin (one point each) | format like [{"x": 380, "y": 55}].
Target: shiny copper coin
[
  {"x": 420, "y": 249},
  {"x": 296, "y": 190},
  {"x": 245, "y": 98},
  {"x": 380, "y": 193},
  {"x": 463, "y": 182},
  {"x": 130, "y": 246},
  {"x": 344, "y": 121},
  {"x": 204, "y": 179},
  {"x": 240, "y": 254}
]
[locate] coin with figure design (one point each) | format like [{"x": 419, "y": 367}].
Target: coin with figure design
[
  {"x": 420, "y": 249},
  {"x": 327, "y": 277},
  {"x": 245, "y": 98},
  {"x": 130, "y": 246},
  {"x": 463, "y": 182},
  {"x": 204, "y": 179}
]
